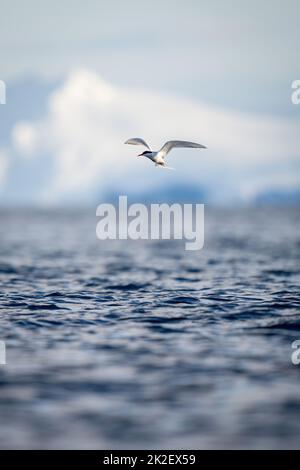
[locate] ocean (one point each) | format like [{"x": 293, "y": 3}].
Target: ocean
[{"x": 142, "y": 344}]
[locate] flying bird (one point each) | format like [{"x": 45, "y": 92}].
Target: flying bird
[{"x": 159, "y": 157}]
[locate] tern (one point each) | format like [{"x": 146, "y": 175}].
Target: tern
[{"x": 159, "y": 157}]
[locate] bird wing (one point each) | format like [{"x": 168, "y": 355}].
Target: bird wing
[
  {"x": 177, "y": 143},
  {"x": 137, "y": 141}
]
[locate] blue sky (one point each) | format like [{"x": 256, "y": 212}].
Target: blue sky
[{"x": 83, "y": 77}]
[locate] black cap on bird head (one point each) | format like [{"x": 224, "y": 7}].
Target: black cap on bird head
[{"x": 144, "y": 153}]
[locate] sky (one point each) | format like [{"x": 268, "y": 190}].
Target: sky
[{"x": 82, "y": 77}]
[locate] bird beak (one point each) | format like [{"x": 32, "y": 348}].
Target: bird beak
[{"x": 140, "y": 154}]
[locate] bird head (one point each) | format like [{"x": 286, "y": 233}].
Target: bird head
[{"x": 145, "y": 153}]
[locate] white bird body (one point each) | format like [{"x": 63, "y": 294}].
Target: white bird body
[{"x": 159, "y": 157}]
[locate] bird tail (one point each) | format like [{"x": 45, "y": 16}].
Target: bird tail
[{"x": 165, "y": 167}]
